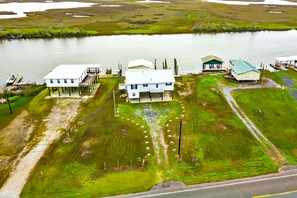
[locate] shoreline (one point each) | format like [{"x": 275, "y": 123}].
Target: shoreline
[{"x": 20, "y": 36}]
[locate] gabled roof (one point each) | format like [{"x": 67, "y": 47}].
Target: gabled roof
[
  {"x": 69, "y": 71},
  {"x": 241, "y": 66},
  {"x": 149, "y": 76},
  {"x": 210, "y": 58},
  {"x": 140, "y": 62}
]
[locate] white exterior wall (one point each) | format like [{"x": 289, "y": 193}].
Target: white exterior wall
[
  {"x": 150, "y": 88},
  {"x": 68, "y": 84},
  {"x": 251, "y": 75}
]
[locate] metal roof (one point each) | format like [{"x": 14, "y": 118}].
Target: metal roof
[
  {"x": 241, "y": 66},
  {"x": 149, "y": 76},
  {"x": 286, "y": 59},
  {"x": 140, "y": 62},
  {"x": 69, "y": 71},
  {"x": 210, "y": 58}
]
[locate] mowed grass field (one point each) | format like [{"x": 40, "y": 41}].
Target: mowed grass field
[
  {"x": 273, "y": 110},
  {"x": 215, "y": 143},
  {"x": 98, "y": 141},
  {"x": 179, "y": 16}
]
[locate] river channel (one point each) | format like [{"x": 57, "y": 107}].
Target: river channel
[{"x": 34, "y": 58}]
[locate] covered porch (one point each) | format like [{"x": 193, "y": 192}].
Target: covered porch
[{"x": 148, "y": 97}]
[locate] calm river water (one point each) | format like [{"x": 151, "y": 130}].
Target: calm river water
[{"x": 34, "y": 58}]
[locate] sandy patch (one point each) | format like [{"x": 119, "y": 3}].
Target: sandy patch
[{"x": 187, "y": 90}]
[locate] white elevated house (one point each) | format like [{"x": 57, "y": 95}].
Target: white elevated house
[
  {"x": 149, "y": 85},
  {"x": 290, "y": 60},
  {"x": 70, "y": 78},
  {"x": 140, "y": 64},
  {"x": 244, "y": 71}
]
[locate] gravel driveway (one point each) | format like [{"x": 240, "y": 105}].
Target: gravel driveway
[{"x": 272, "y": 151}]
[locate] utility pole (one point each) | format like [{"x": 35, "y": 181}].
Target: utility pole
[
  {"x": 179, "y": 137},
  {"x": 5, "y": 91},
  {"x": 114, "y": 104}
]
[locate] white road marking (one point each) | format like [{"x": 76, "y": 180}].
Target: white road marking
[{"x": 218, "y": 186}]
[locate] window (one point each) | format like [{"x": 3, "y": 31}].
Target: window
[
  {"x": 145, "y": 85},
  {"x": 133, "y": 94},
  {"x": 65, "y": 80},
  {"x": 51, "y": 81},
  {"x": 58, "y": 80},
  {"x": 168, "y": 84},
  {"x": 157, "y": 85},
  {"x": 133, "y": 86},
  {"x": 72, "y": 81}
]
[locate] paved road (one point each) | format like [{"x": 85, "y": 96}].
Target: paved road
[{"x": 274, "y": 185}]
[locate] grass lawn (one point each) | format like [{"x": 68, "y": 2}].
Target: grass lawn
[
  {"x": 17, "y": 107},
  {"x": 12, "y": 141},
  {"x": 273, "y": 110},
  {"x": 180, "y": 16},
  {"x": 215, "y": 143},
  {"x": 24, "y": 102},
  {"x": 100, "y": 140}
]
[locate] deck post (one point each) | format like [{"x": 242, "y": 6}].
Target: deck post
[
  {"x": 79, "y": 90},
  {"x": 69, "y": 91},
  {"x": 59, "y": 91}
]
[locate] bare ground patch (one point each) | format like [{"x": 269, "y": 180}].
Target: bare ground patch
[
  {"x": 187, "y": 89},
  {"x": 13, "y": 139}
]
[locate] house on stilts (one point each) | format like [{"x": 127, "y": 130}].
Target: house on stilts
[
  {"x": 244, "y": 71},
  {"x": 212, "y": 63},
  {"x": 72, "y": 80},
  {"x": 144, "y": 86}
]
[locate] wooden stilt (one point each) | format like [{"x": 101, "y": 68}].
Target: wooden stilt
[
  {"x": 59, "y": 91},
  {"x": 49, "y": 91}
]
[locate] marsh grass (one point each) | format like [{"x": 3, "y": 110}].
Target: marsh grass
[{"x": 136, "y": 18}]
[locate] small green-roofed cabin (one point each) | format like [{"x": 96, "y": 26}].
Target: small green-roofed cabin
[
  {"x": 244, "y": 71},
  {"x": 212, "y": 63}
]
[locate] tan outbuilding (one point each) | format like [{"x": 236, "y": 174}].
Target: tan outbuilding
[{"x": 244, "y": 71}]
